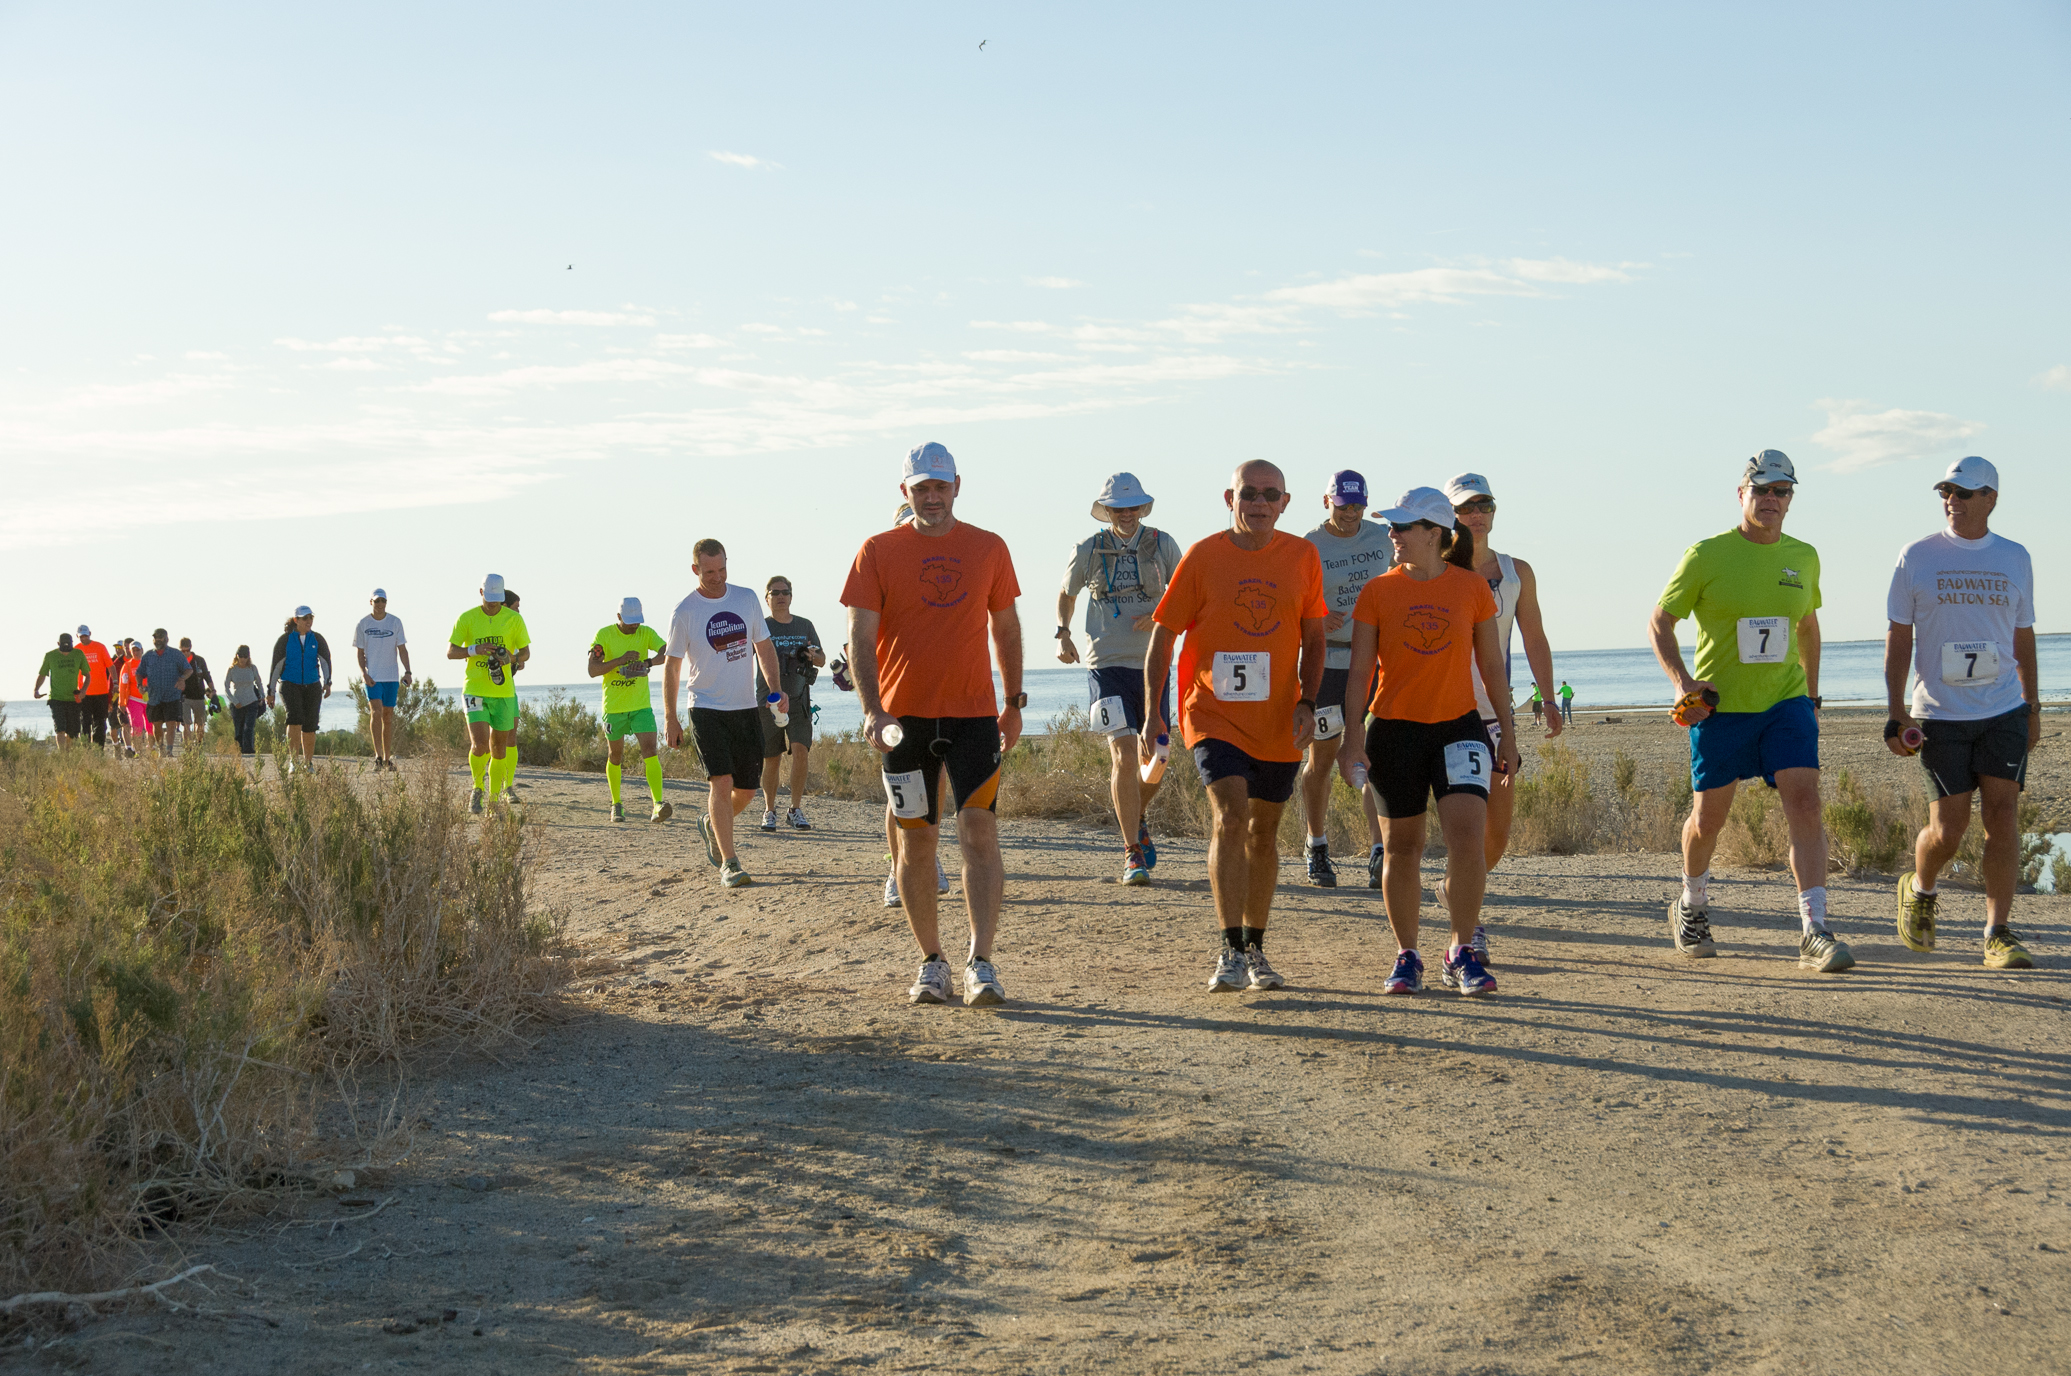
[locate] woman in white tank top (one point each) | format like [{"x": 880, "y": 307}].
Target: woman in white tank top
[{"x": 1517, "y": 603}]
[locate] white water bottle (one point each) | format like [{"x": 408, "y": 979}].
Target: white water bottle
[
  {"x": 781, "y": 717},
  {"x": 892, "y": 734},
  {"x": 1359, "y": 777},
  {"x": 1154, "y": 767}
]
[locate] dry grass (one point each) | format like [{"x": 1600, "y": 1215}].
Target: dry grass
[{"x": 186, "y": 957}]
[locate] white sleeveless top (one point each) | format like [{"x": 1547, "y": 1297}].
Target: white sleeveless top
[{"x": 1507, "y": 587}]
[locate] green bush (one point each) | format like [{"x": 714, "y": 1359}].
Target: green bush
[{"x": 1556, "y": 814}]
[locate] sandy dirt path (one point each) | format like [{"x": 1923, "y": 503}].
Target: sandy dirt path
[{"x": 745, "y": 1153}]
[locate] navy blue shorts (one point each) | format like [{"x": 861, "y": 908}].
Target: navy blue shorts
[
  {"x": 1114, "y": 699},
  {"x": 1727, "y": 747},
  {"x": 1267, "y": 781},
  {"x": 383, "y": 693}
]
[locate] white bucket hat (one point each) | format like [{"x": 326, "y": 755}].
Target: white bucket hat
[{"x": 1121, "y": 490}]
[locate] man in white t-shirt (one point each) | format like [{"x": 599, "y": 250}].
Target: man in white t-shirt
[
  {"x": 384, "y": 666},
  {"x": 1353, "y": 549},
  {"x": 720, "y": 630},
  {"x": 1962, "y": 611}
]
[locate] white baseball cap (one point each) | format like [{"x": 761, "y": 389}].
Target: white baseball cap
[
  {"x": 629, "y": 612},
  {"x": 492, "y": 587},
  {"x": 1769, "y": 466},
  {"x": 1121, "y": 490},
  {"x": 1462, "y": 486},
  {"x": 1421, "y": 504},
  {"x": 303, "y": 611},
  {"x": 380, "y": 595},
  {"x": 926, "y": 461},
  {"x": 1973, "y": 473}
]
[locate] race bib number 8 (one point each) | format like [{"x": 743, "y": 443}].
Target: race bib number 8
[
  {"x": 1330, "y": 723},
  {"x": 1242, "y": 675},
  {"x": 1467, "y": 764},
  {"x": 1970, "y": 663},
  {"x": 1764, "y": 639},
  {"x": 1108, "y": 716},
  {"x": 907, "y": 793}
]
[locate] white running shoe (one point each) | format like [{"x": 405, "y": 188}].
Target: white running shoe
[
  {"x": 796, "y": 820},
  {"x": 1230, "y": 972},
  {"x": 1263, "y": 976},
  {"x": 891, "y": 888},
  {"x": 932, "y": 984},
  {"x": 941, "y": 879},
  {"x": 769, "y": 819},
  {"x": 982, "y": 987}
]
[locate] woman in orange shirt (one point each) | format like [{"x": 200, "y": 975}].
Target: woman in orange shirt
[
  {"x": 1427, "y": 623},
  {"x": 129, "y": 698}
]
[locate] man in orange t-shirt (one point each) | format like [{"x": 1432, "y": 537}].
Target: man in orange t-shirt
[
  {"x": 1249, "y": 601},
  {"x": 921, "y": 600},
  {"x": 95, "y": 690}
]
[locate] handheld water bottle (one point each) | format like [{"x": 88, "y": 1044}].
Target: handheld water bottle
[
  {"x": 1161, "y": 753},
  {"x": 1359, "y": 775},
  {"x": 892, "y": 734},
  {"x": 777, "y": 714}
]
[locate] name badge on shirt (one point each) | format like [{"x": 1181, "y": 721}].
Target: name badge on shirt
[
  {"x": 1970, "y": 663},
  {"x": 1242, "y": 675},
  {"x": 1764, "y": 639}
]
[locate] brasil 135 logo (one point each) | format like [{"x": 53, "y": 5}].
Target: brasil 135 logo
[{"x": 941, "y": 581}]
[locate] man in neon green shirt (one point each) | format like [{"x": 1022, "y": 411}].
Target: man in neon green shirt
[
  {"x": 621, "y": 654},
  {"x": 492, "y": 639},
  {"x": 1754, "y": 592}
]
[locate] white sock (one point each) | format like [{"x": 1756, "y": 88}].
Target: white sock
[
  {"x": 1918, "y": 889},
  {"x": 1812, "y": 907},
  {"x": 1696, "y": 887},
  {"x": 1315, "y": 841}
]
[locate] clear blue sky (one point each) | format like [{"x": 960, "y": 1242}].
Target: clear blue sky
[{"x": 290, "y": 312}]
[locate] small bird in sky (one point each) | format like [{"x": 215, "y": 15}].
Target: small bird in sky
[
  {"x": 982, "y": 42},
  {"x": 571, "y": 267}
]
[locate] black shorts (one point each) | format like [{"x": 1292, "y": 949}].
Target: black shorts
[
  {"x": 729, "y": 742},
  {"x": 1957, "y": 752},
  {"x": 778, "y": 740},
  {"x": 1265, "y": 781},
  {"x": 1114, "y": 701},
  {"x": 969, "y": 746},
  {"x": 165, "y": 713},
  {"x": 93, "y": 716},
  {"x": 1332, "y": 694},
  {"x": 64, "y": 717},
  {"x": 305, "y": 703},
  {"x": 1410, "y": 761}
]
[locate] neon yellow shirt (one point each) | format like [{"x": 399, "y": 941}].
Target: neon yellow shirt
[
  {"x": 1748, "y": 600},
  {"x": 624, "y": 691},
  {"x": 477, "y": 627}
]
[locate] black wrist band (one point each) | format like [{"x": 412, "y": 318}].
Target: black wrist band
[{"x": 1309, "y": 703}]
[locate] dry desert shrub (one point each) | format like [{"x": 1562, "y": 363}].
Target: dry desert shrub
[
  {"x": 1755, "y": 836},
  {"x": 186, "y": 956},
  {"x": 1645, "y": 819},
  {"x": 1557, "y": 814},
  {"x": 1871, "y": 830}
]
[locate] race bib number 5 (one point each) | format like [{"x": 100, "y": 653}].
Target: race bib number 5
[
  {"x": 1970, "y": 663},
  {"x": 907, "y": 793},
  {"x": 1242, "y": 675},
  {"x": 1467, "y": 764},
  {"x": 1764, "y": 639}
]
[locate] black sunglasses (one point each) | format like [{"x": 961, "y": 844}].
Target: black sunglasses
[
  {"x": 1960, "y": 493},
  {"x": 1480, "y": 506},
  {"x": 1259, "y": 494},
  {"x": 1772, "y": 489},
  {"x": 1400, "y": 526}
]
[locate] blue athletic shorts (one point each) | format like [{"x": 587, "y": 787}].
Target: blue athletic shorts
[
  {"x": 1266, "y": 781},
  {"x": 383, "y": 693},
  {"x": 1114, "y": 699},
  {"x": 1727, "y": 747}
]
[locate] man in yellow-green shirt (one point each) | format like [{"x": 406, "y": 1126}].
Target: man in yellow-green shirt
[
  {"x": 621, "y": 654},
  {"x": 492, "y": 639}
]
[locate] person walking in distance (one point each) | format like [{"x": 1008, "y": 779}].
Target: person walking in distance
[
  {"x": 1538, "y": 704},
  {"x": 1567, "y": 703},
  {"x": 623, "y": 654},
  {"x": 97, "y": 691},
  {"x": 194, "y": 697},
  {"x": 922, "y": 599},
  {"x": 799, "y": 660},
  {"x": 1249, "y": 602},
  {"x": 493, "y": 640},
  {"x": 162, "y": 673},
  {"x": 1515, "y": 588},
  {"x": 247, "y": 700},
  {"x": 720, "y": 630},
  {"x": 1962, "y": 610},
  {"x": 1123, "y": 571},
  {"x": 65, "y": 669},
  {"x": 1753, "y": 701},
  {"x": 1353, "y": 550},
  {"x": 1426, "y": 623},
  {"x": 301, "y": 677},
  {"x": 384, "y": 655}
]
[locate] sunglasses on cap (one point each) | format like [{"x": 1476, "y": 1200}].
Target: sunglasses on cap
[
  {"x": 1772, "y": 489},
  {"x": 1259, "y": 494},
  {"x": 1479, "y": 506},
  {"x": 1960, "y": 493}
]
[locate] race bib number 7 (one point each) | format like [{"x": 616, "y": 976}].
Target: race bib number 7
[
  {"x": 1242, "y": 675},
  {"x": 1764, "y": 639},
  {"x": 1970, "y": 663},
  {"x": 907, "y": 793}
]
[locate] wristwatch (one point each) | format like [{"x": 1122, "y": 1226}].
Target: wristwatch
[
  {"x": 1019, "y": 700},
  {"x": 1064, "y": 633}
]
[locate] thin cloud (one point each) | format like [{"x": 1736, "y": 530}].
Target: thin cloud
[
  {"x": 688, "y": 341},
  {"x": 1864, "y": 437},
  {"x": 741, "y": 159},
  {"x": 2057, "y": 379},
  {"x": 1054, "y": 283},
  {"x": 569, "y": 318}
]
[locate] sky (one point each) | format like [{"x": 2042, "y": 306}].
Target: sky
[{"x": 301, "y": 301}]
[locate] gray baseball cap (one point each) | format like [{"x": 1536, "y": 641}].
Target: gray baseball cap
[{"x": 1769, "y": 466}]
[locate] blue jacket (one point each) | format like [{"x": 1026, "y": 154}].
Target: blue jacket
[{"x": 299, "y": 658}]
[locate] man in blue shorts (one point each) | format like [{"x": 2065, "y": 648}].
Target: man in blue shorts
[
  {"x": 1123, "y": 571},
  {"x": 384, "y": 656},
  {"x": 1754, "y": 699}
]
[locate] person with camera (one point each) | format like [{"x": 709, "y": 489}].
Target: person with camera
[
  {"x": 799, "y": 660},
  {"x": 623, "y": 654},
  {"x": 493, "y": 640}
]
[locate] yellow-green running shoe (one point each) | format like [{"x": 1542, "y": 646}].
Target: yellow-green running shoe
[
  {"x": 1915, "y": 915},
  {"x": 2003, "y": 951}
]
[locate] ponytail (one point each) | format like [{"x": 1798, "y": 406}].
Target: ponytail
[
  {"x": 289, "y": 627},
  {"x": 1459, "y": 548}
]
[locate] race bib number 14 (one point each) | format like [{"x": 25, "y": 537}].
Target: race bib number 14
[
  {"x": 1242, "y": 675},
  {"x": 1764, "y": 639}
]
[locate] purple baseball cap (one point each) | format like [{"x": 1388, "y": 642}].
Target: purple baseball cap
[{"x": 1347, "y": 488}]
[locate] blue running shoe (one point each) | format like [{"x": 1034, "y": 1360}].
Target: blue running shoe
[
  {"x": 1408, "y": 977},
  {"x": 1143, "y": 839},
  {"x": 1464, "y": 971}
]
